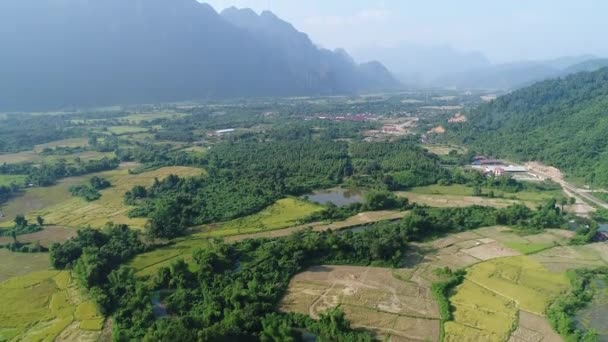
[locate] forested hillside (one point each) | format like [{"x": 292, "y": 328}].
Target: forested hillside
[{"x": 561, "y": 122}]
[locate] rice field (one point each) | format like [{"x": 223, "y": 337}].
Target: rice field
[
  {"x": 19, "y": 264},
  {"x": 372, "y": 298},
  {"x": 443, "y": 201},
  {"x": 76, "y": 212},
  {"x": 40, "y": 306}
]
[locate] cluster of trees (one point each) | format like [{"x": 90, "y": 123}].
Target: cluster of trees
[
  {"x": 7, "y": 192},
  {"x": 562, "y": 312},
  {"x": 248, "y": 175},
  {"x": 157, "y": 155},
  {"x": 94, "y": 256},
  {"x": 560, "y": 122},
  {"x": 24, "y": 131},
  {"x": 229, "y": 292},
  {"x": 90, "y": 192},
  {"x": 395, "y": 165}
]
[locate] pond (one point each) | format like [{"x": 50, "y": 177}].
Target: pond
[
  {"x": 159, "y": 308},
  {"x": 595, "y": 315},
  {"x": 337, "y": 196},
  {"x": 603, "y": 227}
]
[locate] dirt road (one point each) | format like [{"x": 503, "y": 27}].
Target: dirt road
[{"x": 555, "y": 175}]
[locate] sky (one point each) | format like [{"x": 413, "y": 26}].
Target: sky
[{"x": 504, "y": 30}]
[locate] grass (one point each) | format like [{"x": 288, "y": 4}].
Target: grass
[
  {"x": 7, "y": 180},
  {"x": 76, "y": 142},
  {"x": 38, "y": 307},
  {"x": 19, "y": 264},
  {"x": 19, "y": 157},
  {"x": 463, "y": 190},
  {"x": 138, "y": 118},
  {"x": 119, "y": 130},
  {"x": 70, "y": 211},
  {"x": 284, "y": 213},
  {"x": 528, "y": 247}
]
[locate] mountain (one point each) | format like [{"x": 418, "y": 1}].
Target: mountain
[
  {"x": 588, "y": 65},
  {"x": 514, "y": 75},
  {"x": 561, "y": 122},
  {"x": 418, "y": 65},
  {"x": 63, "y": 53}
]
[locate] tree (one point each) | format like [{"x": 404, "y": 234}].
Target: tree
[
  {"x": 20, "y": 221},
  {"x": 563, "y": 201},
  {"x": 572, "y": 200},
  {"x": 14, "y": 236},
  {"x": 40, "y": 220}
]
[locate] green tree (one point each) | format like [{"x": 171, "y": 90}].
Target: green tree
[
  {"x": 40, "y": 220},
  {"x": 20, "y": 221}
]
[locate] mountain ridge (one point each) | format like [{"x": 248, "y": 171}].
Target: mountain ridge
[{"x": 74, "y": 53}]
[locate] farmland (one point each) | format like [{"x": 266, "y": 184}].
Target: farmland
[
  {"x": 466, "y": 191},
  {"x": 481, "y": 312},
  {"x": 46, "y": 305},
  {"x": 57, "y": 206}
]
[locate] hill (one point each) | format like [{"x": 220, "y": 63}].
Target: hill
[
  {"x": 561, "y": 122},
  {"x": 88, "y": 53},
  {"x": 518, "y": 74}
]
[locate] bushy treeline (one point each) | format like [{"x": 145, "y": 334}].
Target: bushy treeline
[
  {"x": 47, "y": 174},
  {"x": 562, "y": 312},
  {"x": 94, "y": 254},
  {"x": 24, "y": 131}
]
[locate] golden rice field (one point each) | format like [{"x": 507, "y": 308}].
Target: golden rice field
[
  {"x": 76, "y": 212},
  {"x": 58, "y": 207},
  {"x": 46, "y": 306}
]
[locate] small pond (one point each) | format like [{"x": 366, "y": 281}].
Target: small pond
[
  {"x": 595, "y": 315},
  {"x": 337, "y": 196}
]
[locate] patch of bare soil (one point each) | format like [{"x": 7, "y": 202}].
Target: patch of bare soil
[{"x": 533, "y": 328}]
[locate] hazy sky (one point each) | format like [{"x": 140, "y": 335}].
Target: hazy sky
[{"x": 505, "y": 30}]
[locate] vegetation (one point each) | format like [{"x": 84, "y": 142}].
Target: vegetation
[
  {"x": 559, "y": 122},
  {"x": 562, "y": 312}
]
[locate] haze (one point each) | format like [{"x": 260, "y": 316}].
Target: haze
[{"x": 504, "y": 31}]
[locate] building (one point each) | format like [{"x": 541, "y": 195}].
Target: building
[{"x": 224, "y": 131}]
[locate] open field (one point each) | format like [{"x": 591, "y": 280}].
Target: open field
[
  {"x": 46, "y": 237},
  {"x": 283, "y": 213},
  {"x": 34, "y": 199},
  {"x": 533, "y": 327},
  {"x": 462, "y": 190},
  {"x": 563, "y": 258},
  {"x": 19, "y": 264},
  {"x": 138, "y": 118},
  {"x": 442, "y": 150},
  {"x": 75, "y": 142},
  {"x": 520, "y": 279},
  {"x": 19, "y": 157},
  {"x": 371, "y": 298},
  {"x": 479, "y": 315},
  {"x": 443, "y": 201},
  {"x": 7, "y": 180},
  {"x": 77, "y": 212},
  {"x": 44, "y": 305},
  {"x": 504, "y": 299},
  {"x": 120, "y": 130}
]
